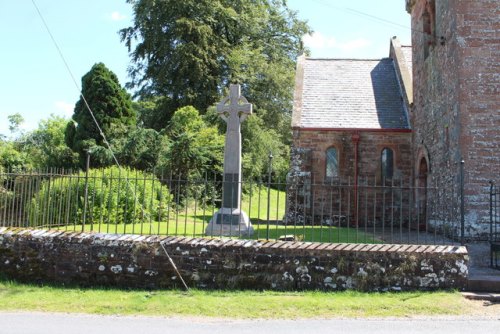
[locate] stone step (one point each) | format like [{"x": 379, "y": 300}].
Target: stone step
[{"x": 484, "y": 283}]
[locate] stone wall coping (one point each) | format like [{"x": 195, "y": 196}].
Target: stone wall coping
[
  {"x": 138, "y": 261},
  {"x": 315, "y": 247}
]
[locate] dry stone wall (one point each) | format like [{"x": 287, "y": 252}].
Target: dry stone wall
[{"x": 132, "y": 261}]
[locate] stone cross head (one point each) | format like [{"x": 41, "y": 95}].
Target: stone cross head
[{"x": 235, "y": 107}]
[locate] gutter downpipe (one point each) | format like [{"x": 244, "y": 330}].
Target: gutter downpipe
[{"x": 356, "y": 139}]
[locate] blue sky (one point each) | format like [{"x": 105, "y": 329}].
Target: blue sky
[{"x": 34, "y": 80}]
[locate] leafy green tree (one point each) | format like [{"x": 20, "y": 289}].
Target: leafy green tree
[
  {"x": 12, "y": 158},
  {"x": 112, "y": 108},
  {"x": 188, "y": 51},
  {"x": 153, "y": 112},
  {"x": 191, "y": 147},
  {"x": 258, "y": 144},
  {"x": 145, "y": 110},
  {"x": 47, "y": 147},
  {"x": 15, "y": 121}
]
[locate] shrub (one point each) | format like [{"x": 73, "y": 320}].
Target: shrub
[
  {"x": 12, "y": 198},
  {"x": 114, "y": 196}
]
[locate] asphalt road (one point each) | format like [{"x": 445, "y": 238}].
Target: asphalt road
[{"x": 50, "y": 323}]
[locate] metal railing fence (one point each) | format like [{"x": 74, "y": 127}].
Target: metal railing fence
[{"x": 131, "y": 202}]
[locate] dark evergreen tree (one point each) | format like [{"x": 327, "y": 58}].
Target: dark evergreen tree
[
  {"x": 112, "y": 108},
  {"x": 141, "y": 149}
]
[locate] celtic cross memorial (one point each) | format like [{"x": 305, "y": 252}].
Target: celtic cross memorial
[{"x": 230, "y": 220}]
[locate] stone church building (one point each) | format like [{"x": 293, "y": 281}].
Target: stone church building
[{"x": 426, "y": 119}]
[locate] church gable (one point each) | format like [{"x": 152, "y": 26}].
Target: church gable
[
  {"x": 350, "y": 123},
  {"x": 348, "y": 94}
]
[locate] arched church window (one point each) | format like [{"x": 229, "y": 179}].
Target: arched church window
[
  {"x": 387, "y": 163},
  {"x": 332, "y": 163},
  {"x": 428, "y": 27}
]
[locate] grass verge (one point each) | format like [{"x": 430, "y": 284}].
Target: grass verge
[{"x": 249, "y": 304}]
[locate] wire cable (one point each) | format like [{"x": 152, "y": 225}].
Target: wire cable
[
  {"x": 108, "y": 145},
  {"x": 174, "y": 266},
  {"x": 366, "y": 15}
]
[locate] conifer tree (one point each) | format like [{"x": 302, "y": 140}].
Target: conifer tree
[{"x": 112, "y": 108}]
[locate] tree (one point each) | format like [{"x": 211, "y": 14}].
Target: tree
[
  {"x": 47, "y": 147},
  {"x": 15, "y": 121},
  {"x": 12, "y": 158},
  {"x": 112, "y": 108},
  {"x": 153, "y": 112},
  {"x": 141, "y": 149},
  {"x": 12, "y": 154},
  {"x": 188, "y": 51},
  {"x": 191, "y": 148},
  {"x": 145, "y": 111},
  {"x": 258, "y": 144}
]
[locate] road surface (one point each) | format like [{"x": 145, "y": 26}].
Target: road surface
[{"x": 54, "y": 323}]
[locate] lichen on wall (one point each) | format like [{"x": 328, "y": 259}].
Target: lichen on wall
[{"x": 131, "y": 261}]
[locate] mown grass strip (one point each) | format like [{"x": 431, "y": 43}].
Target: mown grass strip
[{"x": 230, "y": 304}]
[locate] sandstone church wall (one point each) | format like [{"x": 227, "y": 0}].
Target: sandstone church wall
[
  {"x": 319, "y": 198},
  {"x": 456, "y": 88},
  {"x": 370, "y": 146}
]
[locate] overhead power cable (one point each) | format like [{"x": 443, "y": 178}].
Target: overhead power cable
[
  {"x": 366, "y": 15},
  {"x": 108, "y": 145}
]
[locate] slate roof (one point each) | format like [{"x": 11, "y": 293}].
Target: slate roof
[{"x": 348, "y": 93}]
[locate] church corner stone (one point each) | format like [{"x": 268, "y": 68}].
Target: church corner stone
[{"x": 298, "y": 186}]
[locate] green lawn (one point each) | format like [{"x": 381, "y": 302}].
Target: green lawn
[
  {"x": 187, "y": 227},
  {"x": 191, "y": 221},
  {"x": 250, "y": 304}
]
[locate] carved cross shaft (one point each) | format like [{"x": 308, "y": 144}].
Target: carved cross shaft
[{"x": 233, "y": 110}]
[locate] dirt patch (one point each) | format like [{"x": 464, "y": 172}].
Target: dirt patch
[{"x": 482, "y": 308}]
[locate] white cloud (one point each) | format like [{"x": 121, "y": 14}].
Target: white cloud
[
  {"x": 28, "y": 125},
  {"x": 319, "y": 42},
  {"x": 65, "y": 107},
  {"x": 116, "y": 16}
]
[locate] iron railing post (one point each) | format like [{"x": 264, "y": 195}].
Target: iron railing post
[
  {"x": 269, "y": 172},
  {"x": 85, "y": 194}
]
